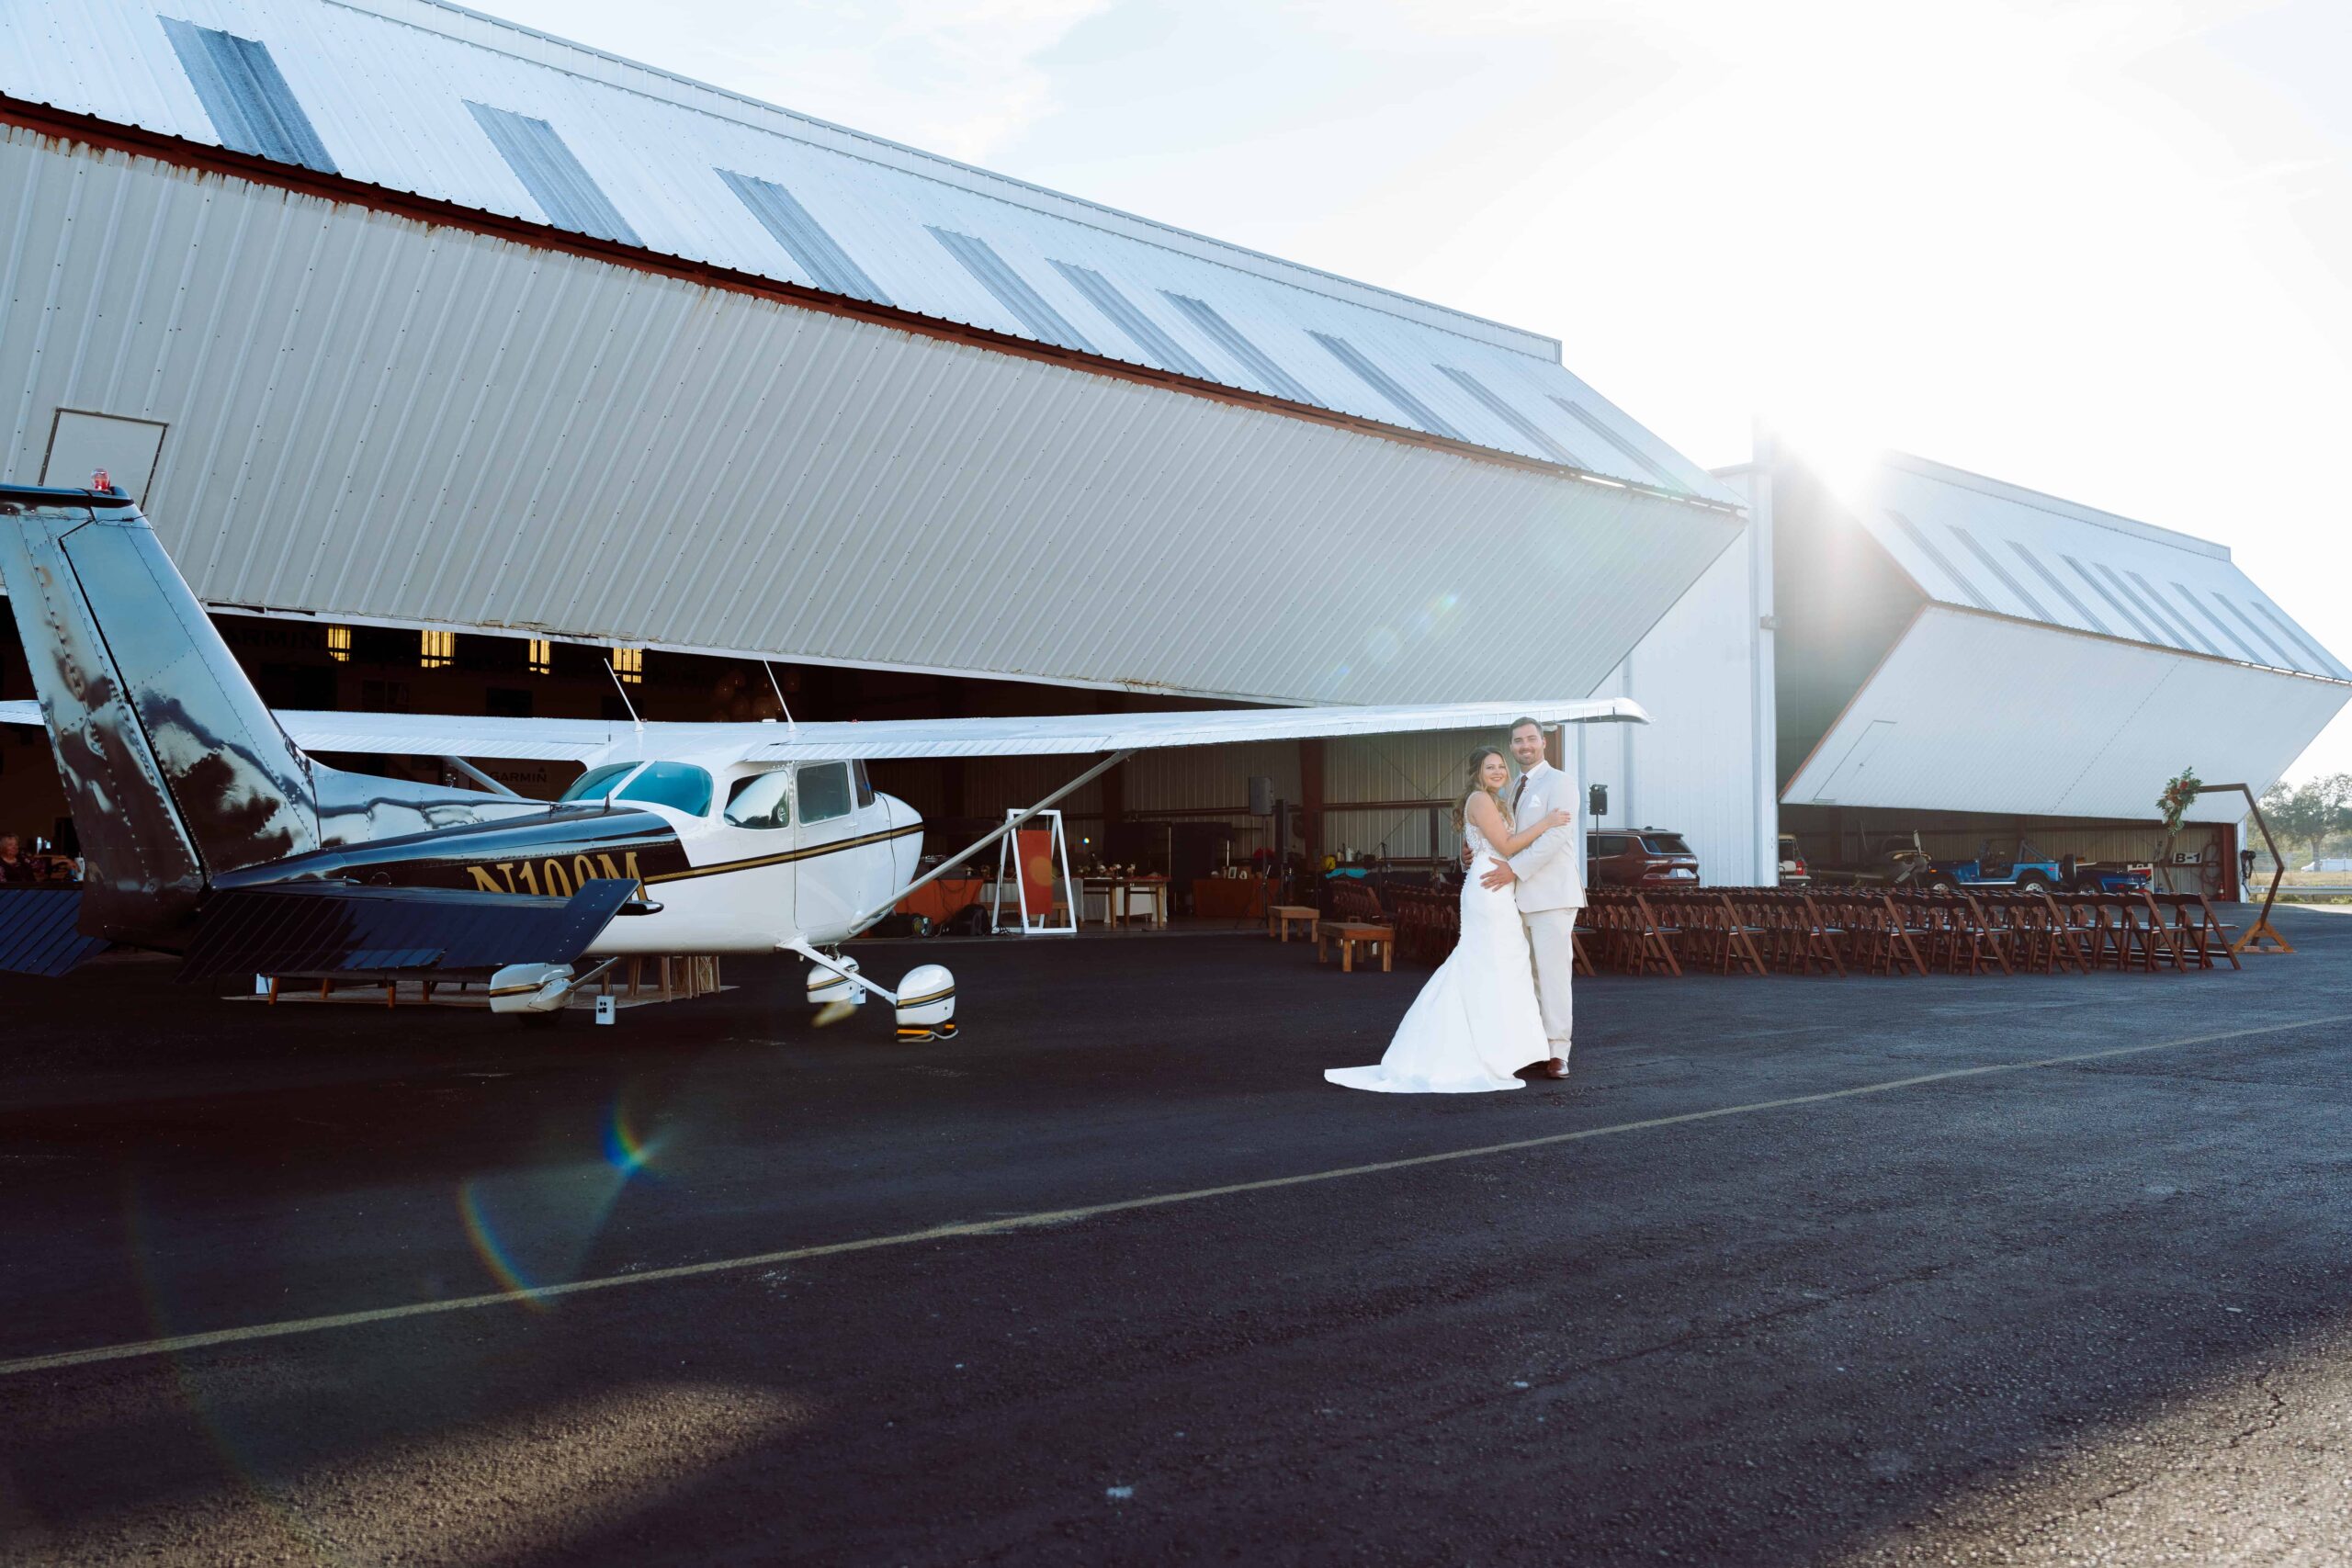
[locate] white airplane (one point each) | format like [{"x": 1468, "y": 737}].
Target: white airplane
[{"x": 209, "y": 828}]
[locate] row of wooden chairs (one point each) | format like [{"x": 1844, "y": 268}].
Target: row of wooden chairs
[
  {"x": 1759, "y": 931},
  {"x": 1775, "y": 930},
  {"x": 1427, "y": 921}
]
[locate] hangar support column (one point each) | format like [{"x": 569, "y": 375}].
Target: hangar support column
[{"x": 1310, "y": 795}]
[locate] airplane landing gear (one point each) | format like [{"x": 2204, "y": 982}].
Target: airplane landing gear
[
  {"x": 828, "y": 987},
  {"x": 927, "y": 1004}
]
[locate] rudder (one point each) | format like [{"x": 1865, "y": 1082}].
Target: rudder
[{"x": 174, "y": 768}]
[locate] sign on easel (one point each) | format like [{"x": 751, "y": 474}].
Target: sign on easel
[{"x": 1035, "y": 853}]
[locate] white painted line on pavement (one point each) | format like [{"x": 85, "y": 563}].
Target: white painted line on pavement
[{"x": 179, "y": 1342}]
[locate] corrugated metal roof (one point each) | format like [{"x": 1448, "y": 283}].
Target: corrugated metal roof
[
  {"x": 2046, "y": 723},
  {"x": 1977, "y": 543},
  {"x": 372, "y": 418},
  {"x": 387, "y": 84}
]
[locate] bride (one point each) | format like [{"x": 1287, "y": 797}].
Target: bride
[{"x": 1476, "y": 1023}]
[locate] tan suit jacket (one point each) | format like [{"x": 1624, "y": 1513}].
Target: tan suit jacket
[{"x": 1549, "y": 876}]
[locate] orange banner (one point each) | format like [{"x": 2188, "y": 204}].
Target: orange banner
[{"x": 1034, "y": 848}]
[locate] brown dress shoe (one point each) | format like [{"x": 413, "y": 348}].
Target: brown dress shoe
[{"x": 1556, "y": 1068}]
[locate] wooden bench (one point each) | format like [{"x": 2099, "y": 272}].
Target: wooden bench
[
  {"x": 1350, "y": 934},
  {"x": 1279, "y": 917}
]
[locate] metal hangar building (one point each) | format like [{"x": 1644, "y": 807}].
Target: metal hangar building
[
  {"x": 465, "y": 369},
  {"x": 452, "y": 360},
  {"x": 1979, "y": 663}
]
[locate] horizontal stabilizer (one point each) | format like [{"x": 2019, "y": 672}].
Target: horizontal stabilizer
[
  {"x": 40, "y": 933},
  {"x": 326, "y": 928}
]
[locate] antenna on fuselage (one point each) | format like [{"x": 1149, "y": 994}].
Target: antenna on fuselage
[
  {"x": 626, "y": 703},
  {"x": 789, "y": 723}
]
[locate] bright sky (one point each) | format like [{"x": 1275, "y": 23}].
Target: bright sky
[{"x": 2102, "y": 247}]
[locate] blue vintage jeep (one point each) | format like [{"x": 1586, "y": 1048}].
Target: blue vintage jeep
[{"x": 2029, "y": 872}]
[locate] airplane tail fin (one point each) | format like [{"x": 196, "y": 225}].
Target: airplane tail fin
[{"x": 174, "y": 767}]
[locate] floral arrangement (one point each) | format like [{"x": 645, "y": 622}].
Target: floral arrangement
[{"x": 2176, "y": 796}]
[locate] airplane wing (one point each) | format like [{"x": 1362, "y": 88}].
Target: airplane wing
[
  {"x": 1068, "y": 734},
  {"x": 587, "y": 739},
  {"x": 453, "y": 735}
]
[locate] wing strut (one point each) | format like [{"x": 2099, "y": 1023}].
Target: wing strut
[
  {"x": 943, "y": 867},
  {"x": 459, "y": 764}
]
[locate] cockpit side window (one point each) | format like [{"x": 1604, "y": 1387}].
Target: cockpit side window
[
  {"x": 760, "y": 801},
  {"x": 824, "y": 790},
  {"x": 681, "y": 786},
  {"x": 597, "y": 781},
  {"x": 864, "y": 785}
]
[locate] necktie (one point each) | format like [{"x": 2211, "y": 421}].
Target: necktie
[{"x": 1517, "y": 793}]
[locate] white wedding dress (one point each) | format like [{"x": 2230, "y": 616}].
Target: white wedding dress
[{"x": 1476, "y": 1021}]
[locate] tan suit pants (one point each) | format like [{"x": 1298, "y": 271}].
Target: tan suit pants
[{"x": 1551, "y": 946}]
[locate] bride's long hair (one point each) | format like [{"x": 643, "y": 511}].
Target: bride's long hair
[{"x": 1473, "y": 785}]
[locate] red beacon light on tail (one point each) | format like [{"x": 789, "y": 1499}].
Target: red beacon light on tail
[{"x": 101, "y": 483}]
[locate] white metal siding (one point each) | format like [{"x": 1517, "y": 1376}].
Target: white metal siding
[
  {"x": 1199, "y": 777},
  {"x": 1696, "y": 768},
  {"x": 379, "y": 420},
  {"x": 1974, "y": 714}
]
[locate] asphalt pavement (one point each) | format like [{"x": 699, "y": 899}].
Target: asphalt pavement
[{"x": 2041, "y": 1270}]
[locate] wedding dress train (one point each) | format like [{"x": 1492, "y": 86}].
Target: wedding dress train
[{"x": 1476, "y": 1021}]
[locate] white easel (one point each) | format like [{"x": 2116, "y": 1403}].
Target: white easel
[{"x": 1040, "y": 924}]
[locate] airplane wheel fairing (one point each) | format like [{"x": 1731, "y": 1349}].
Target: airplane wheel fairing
[
  {"x": 826, "y": 988},
  {"x": 531, "y": 990},
  {"x": 927, "y": 1004}
]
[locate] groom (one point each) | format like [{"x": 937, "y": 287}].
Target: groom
[{"x": 1550, "y": 889}]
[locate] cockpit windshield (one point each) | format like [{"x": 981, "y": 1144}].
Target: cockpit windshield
[
  {"x": 597, "y": 781},
  {"x": 681, "y": 786}
]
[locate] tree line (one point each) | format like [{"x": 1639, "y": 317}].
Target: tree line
[{"x": 2312, "y": 816}]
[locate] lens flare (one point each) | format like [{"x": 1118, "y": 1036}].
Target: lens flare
[
  {"x": 562, "y": 1210},
  {"x": 625, "y": 1150},
  {"x": 492, "y": 1254}
]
